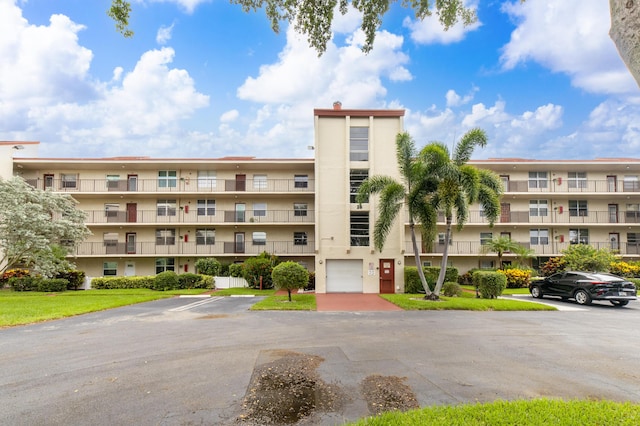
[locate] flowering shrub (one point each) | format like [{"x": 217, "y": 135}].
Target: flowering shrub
[
  {"x": 625, "y": 269},
  {"x": 553, "y": 265},
  {"x": 516, "y": 278},
  {"x": 13, "y": 273}
]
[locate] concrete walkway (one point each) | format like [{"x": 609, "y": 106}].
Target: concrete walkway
[{"x": 353, "y": 302}]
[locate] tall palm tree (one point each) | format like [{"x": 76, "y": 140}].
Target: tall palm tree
[
  {"x": 413, "y": 191},
  {"x": 459, "y": 185},
  {"x": 500, "y": 246}
]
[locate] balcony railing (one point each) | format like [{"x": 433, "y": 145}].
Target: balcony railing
[
  {"x": 568, "y": 185},
  {"x": 552, "y": 216},
  {"x": 474, "y": 248},
  {"x": 164, "y": 185},
  {"x": 193, "y": 248},
  {"x": 178, "y": 216}
]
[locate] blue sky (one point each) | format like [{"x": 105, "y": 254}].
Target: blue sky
[{"x": 201, "y": 78}]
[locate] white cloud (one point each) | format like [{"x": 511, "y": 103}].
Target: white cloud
[
  {"x": 570, "y": 37},
  {"x": 431, "y": 31},
  {"x": 164, "y": 34},
  {"x": 187, "y": 5},
  {"x": 543, "y": 118},
  {"x": 229, "y": 116},
  {"x": 454, "y": 100}
]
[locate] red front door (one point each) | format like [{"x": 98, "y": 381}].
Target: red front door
[
  {"x": 132, "y": 212},
  {"x": 387, "y": 276},
  {"x": 241, "y": 182}
]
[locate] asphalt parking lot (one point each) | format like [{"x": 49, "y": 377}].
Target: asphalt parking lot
[{"x": 189, "y": 361}]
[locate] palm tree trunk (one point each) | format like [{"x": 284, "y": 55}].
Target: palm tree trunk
[
  {"x": 445, "y": 258},
  {"x": 416, "y": 252}
]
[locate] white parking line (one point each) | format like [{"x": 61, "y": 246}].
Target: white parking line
[{"x": 195, "y": 304}]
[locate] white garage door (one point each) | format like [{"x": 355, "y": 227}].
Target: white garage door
[{"x": 344, "y": 276}]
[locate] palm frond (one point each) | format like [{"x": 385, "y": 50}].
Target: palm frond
[{"x": 464, "y": 148}]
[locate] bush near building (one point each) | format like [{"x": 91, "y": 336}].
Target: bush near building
[
  {"x": 625, "y": 269},
  {"x": 516, "y": 278},
  {"x": 412, "y": 284},
  {"x": 290, "y": 276},
  {"x": 166, "y": 282},
  {"x": 490, "y": 284}
]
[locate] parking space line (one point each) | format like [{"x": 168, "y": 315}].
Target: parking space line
[{"x": 195, "y": 304}]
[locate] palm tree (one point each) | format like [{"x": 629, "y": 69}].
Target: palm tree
[
  {"x": 523, "y": 255},
  {"x": 459, "y": 185},
  {"x": 499, "y": 245},
  {"x": 413, "y": 191}
]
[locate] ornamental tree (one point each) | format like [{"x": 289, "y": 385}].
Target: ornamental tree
[
  {"x": 290, "y": 276},
  {"x": 38, "y": 229}
]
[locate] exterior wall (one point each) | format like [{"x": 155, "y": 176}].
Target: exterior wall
[{"x": 333, "y": 206}]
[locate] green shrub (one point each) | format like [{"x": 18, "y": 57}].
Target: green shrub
[
  {"x": 553, "y": 265},
  {"x": 167, "y": 280},
  {"x": 311, "y": 285},
  {"x": 636, "y": 281},
  {"x": 451, "y": 289},
  {"x": 489, "y": 284},
  {"x": 259, "y": 268},
  {"x": 188, "y": 280},
  {"x": 208, "y": 266},
  {"x": 11, "y": 273},
  {"x": 28, "y": 283},
  {"x": 52, "y": 284},
  {"x": 235, "y": 270},
  {"x": 516, "y": 278},
  {"x": 290, "y": 276},
  {"x": 413, "y": 285},
  {"x": 23, "y": 283},
  {"x": 75, "y": 278},
  {"x": 206, "y": 281}
]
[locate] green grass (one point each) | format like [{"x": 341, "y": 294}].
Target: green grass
[
  {"x": 468, "y": 302},
  {"x": 243, "y": 291},
  {"x": 521, "y": 413},
  {"x": 299, "y": 302},
  {"x": 27, "y": 307}
]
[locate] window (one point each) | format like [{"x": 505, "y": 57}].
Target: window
[
  {"x": 165, "y": 264},
  {"x": 537, "y": 179},
  {"x": 359, "y": 144},
  {"x": 426, "y": 263},
  {"x": 505, "y": 182},
  {"x": 299, "y": 238},
  {"x": 206, "y": 207},
  {"x": 260, "y": 209},
  {"x": 205, "y": 237},
  {"x": 166, "y": 207},
  {"x": 111, "y": 209},
  {"x": 578, "y": 236},
  {"x": 441, "y": 237},
  {"x": 259, "y": 238},
  {"x": 165, "y": 237},
  {"x": 113, "y": 181},
  {"x": 167, "y": 179},
  {"x": 485, "y": 237},
  {"x": 110, "y": 239},
  {"x": 259, "y": 182},
  {"x": 301, "y": 181},
  {"x": 299, "y": 209},
  {"x": 577, "y": 180},
  {"x": 633, "y": 238},
  {"x": 359, "y": 229},
  {"x": 630, "y": 183},
  {"x": 578, "y": 208},
  {"x": 206, "y": 179},
  {"x": 539, "y": 237},
  {"x": 487, "y": 264},
  {"x": 110, "y": 269},
  {"x": 538, "y": 208},
  {"x": 69, "y": 181},
  {"x": 356, "y": 177}
]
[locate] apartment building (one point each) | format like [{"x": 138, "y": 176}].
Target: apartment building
[{"x": 149, "y": 215}]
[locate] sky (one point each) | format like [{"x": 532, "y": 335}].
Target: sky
[{"x": 203, "y": 79}]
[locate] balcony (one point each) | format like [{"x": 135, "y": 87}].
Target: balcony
[
  {"x": 179, "y": 217},
  {"x": 553, "y": 248},
  {"x": 573, "y": 186},
  {"x": 180, "y": 185},
  {"x": 552, "y": 216},
  {"x": 180, "y": 248}
]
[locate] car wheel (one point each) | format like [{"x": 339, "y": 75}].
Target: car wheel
[
  {"x": 536, "y": 292},
  {"x": 619, "y": 303},
  {"x": 582, "y": 297}
]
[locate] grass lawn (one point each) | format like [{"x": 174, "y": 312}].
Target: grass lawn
[
  {"x": 17, "y": 308},
  {"x": 521, "y": 413},
  {"x": 468, "y": 302},
  {"x": 299, "y": 302},
  {"x": 243, "y": 291}
]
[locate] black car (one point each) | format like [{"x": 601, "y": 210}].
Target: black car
[{"x": 585, "y": 287}]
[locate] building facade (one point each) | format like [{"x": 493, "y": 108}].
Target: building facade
[{"x": 150, "y": 215}]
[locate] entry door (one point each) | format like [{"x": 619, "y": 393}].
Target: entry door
[
  {"x": 505, "y": 212},
  {"x": 505, "y": 182},
  {"x": 614, "y": 238},
  {"x": 131, "y": 243},
  {"x": 132, "y": 182},
  {"x": 612, "y": 183},
  {"x": 132, "y": 212},
  {"x": 613, "y": 213},
  {"x": 241, "y": 182},
  {"x": 129, "y": 269},
  {"x": 48, "y": 181},
  {"x": 239, "y": 242},
  {"x": 387, "y": 285},
  {"x": 240, "y": 212}
]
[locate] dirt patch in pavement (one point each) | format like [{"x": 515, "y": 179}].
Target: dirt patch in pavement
[
  {"x": 289, "y": 390},
  {"x": 213, "y": 316}
]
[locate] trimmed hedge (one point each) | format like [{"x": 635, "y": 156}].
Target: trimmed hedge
[
  {"x": 412, "y": 284},
  {"x": 38, "y": 284},
  {"x": 75, "y": 278},
  {"x": 166, "y": 282},
  {"x": 490, "y": 285},
  {"x": 451, "y": 289}
]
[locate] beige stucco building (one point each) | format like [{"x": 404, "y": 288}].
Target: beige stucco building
[{"x": 149, "y": 215}]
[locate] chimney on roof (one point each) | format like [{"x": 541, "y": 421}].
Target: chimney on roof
[{"x": 337, "y": 105}]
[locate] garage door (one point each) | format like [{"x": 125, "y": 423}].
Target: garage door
[{"x": 344, "y": 276}]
